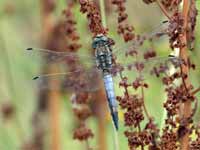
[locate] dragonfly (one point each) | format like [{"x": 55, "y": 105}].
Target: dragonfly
[{"x": 103, "y": 67}]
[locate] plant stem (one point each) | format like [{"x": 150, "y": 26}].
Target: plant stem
[
  {"x": 11, "y": 84},
  {"x": 144, "y": 106},
  {"x": 163, "y": 9},
  {"x": 184, "y": 141},
  {"x": 103, "y": 13},
  {"x": 53, "y": 96},
  {"x": 139, "y": 129},
  {"x": 100, "y": 102},
  {"x": 196, "y": 91},
  {"x": 87, "y": 145},
  {"x": 116, "y": 140},
  {"x": 54, "y": 109}
]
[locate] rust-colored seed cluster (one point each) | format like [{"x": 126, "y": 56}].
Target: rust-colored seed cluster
[
  {"x": 192, "y": 24},
  {"x": 195, "y": 144},
  {"x": 149, "y": 54},
  {"x": 124, "y": 28},
  {"x": 180, "y": 92},
  {"x": 136, "y": 139},
  {"x": 134, "y": 107},
  {"x": 82, "y": 112},
  {"x": 95, "y": 23},
  {"x": 83, "y": 133},
  {"x": 131, "y": 103},
  {"x": 175, "y": 30},
  {"x": 176, "y": 126},
  {"x": 175, "y": 96},
  {"x": 70, "y": 31},
  {"x": 171, "y": 4},
  {"x": 168, "y": 139},
  {"x": 176, "y": 22},
  {"x": 80, "y": 101}
]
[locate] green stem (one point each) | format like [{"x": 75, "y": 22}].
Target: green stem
[
  {"x": 164, "y": 115},
  {"x": 87, "y": 145},
  {"x": 10, "y": 82},
  {"x": 103, "y": 13},
  {"x": 115, "y": 138}
]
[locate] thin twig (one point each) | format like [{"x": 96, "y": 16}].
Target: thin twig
[
  {"x": 103, "y": 13},
  {"x": 163, "y": 9},
  {"x": 196, "y": 91},
  {"x": 143, "y": 103}
]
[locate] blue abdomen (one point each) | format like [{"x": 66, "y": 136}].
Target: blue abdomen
[{"x": 109, "y": 86}]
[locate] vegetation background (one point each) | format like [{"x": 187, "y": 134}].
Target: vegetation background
[{"x": 21, "y": 26}]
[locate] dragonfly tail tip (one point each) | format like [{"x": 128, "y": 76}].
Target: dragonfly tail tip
[{"x": 115, "y": 120}]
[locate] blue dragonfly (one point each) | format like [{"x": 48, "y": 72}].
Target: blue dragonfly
[{"x": 101, "y": 66}]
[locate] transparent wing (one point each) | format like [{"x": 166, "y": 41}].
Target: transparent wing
[
  {"x": 152, "y": 66},
  {"x": 74, "y": 72},
  {"x": 158, "y": 31},
  {"x": 80, "y": 80},
  {"x": 137, "y": 60},
  {"x": 57, "y": 56}
]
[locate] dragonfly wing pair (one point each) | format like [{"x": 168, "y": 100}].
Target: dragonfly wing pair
[
  {"x": 73, "y": 73},
  {"x": 79, "y": 73}
]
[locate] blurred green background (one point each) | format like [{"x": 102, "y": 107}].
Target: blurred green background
[{"x": 21, "y": 27}]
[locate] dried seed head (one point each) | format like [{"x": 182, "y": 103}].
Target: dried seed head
[
  {"x": 83, "y": 133},
  {"x": 175, "y": 30},
  {"x": 171, "y": 5},
  {"x": 80, "y": 100},
  {"x": 82, "y": 113},
  {"x": 95, "y": 23},
  {"x": 192, "y": 19},
  {"x": 168, "y": 140},
  {"x": 124, "y": 29}
]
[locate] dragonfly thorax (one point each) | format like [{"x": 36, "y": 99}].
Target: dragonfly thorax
[{"x": 103, "y": 53}]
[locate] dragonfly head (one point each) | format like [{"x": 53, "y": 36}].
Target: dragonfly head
[{"x": 99, "y": 40}]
